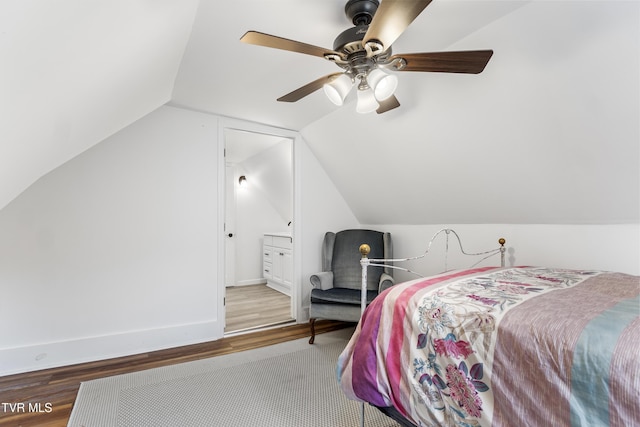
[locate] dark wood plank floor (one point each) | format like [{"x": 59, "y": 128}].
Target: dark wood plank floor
[{"x": 52, "y": 392}]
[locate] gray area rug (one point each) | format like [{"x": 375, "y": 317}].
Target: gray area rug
[{"x": 291, "y": 384}]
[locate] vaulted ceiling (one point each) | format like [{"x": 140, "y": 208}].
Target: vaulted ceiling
[{"x": 548, "y": 133}]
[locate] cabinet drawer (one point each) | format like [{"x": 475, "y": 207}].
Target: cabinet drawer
[
  {"x": 282, "y": 242},
  {"x": 267, "y": 253},
  {"x": 267, "y": 270}
]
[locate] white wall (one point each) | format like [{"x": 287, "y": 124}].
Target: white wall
[
  {"x": 265, "y": 204},
  {"x": 255, "y": 215},
  {"x": 322, "y": 209},
  {"x": 271, "y": 173},
  {"x": 119, "y": 251},
  {"x": 600, "y": 247},
  {"x": 115, "y": 251}
]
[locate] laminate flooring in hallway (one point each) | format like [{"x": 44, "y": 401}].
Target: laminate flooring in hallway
[{"x": 255, "y": 306}]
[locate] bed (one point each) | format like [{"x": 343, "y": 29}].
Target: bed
[{"x": 500, "y": 346}]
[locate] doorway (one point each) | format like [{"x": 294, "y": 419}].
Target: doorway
[{"x": 258, "y": 203}]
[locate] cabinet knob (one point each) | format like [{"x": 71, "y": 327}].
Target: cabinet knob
[{"x": 230, "y": 234}]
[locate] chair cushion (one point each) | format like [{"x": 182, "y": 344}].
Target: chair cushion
[
  {"x": 347, "y": 272},
  {"x": 340, "y": 296}
]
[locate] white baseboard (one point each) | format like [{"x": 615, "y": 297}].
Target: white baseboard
[
  {"x": 277, "y": 286},
  {"x": 303, "y": 317},
  {"x": 249, "y": 282},
  {"x": 63, "y": 353}
]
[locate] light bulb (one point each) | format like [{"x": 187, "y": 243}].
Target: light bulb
[
  {"x": 366, "y": 101},
  {"x": 338, "y": 89},
  {"x": 383, "y": 84}
]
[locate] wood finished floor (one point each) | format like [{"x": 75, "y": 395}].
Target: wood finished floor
[
  {"x": 59, "y": 386},
  {"x": 248, "y": 307}
]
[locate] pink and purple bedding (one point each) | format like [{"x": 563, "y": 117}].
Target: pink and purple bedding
[{"x": 523, "y": 346}]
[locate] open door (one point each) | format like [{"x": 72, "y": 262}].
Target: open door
[
  {"x": 229, "y": 228},
  {"x": 261, "y": 207}
]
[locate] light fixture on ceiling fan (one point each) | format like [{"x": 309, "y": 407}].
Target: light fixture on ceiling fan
[
  {"x": 364, "y": 53},
  {"x": 375, "y": 86}
]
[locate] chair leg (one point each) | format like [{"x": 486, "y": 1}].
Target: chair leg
[{"x": 312, "y": 323}]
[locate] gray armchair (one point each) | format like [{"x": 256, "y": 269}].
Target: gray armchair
[{"x": 336, "y": 290}]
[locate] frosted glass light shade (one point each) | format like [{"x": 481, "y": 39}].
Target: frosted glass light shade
[
  {"x": 338, "y": 89},
  {"x": 383, "y": 84},
  {"x": 366, "y": 101}
]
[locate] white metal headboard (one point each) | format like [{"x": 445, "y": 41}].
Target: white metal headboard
[{"x": 366, "y": 262}]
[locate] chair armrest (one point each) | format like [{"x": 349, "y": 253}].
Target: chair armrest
[
  {"x": 323, "y": 280},
  {"x": 386, "y": 281}
]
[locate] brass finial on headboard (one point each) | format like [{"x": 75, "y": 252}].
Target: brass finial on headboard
[
  {"x": 364, "y": 250},
  {"x": 502, "y": 241}
]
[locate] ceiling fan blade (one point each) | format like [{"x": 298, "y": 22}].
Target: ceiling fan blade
[
  {"x": 391, "y": 19},
  {"x": 307, "y": 89},
  {"x": 468, "y": 62},
  {"x": 267, "y": 40},
  {"x": 388, "y": 104}
]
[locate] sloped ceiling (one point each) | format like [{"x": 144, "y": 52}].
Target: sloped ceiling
[
  {"x": 549, "y": 133},
  {"x": 73, "y": 72}
]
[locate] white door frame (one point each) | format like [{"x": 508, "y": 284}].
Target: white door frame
[{"x": 296, "y": 290}]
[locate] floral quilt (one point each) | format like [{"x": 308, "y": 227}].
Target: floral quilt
[{"x": 501, "y": 346}]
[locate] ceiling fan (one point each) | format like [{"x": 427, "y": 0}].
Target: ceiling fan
[{"x": 364, "y": 53}]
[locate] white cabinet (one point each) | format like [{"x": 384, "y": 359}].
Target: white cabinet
[{"x": 277, "y": 262}]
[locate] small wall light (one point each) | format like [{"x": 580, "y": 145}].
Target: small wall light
[{"x": 242, "y": 181}]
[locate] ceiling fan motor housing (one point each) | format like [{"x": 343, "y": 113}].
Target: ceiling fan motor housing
[
  {"x": 350, "y": 40},
  {"x": 361, "y": 12},
  {"x": 357, "y": 62}
]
